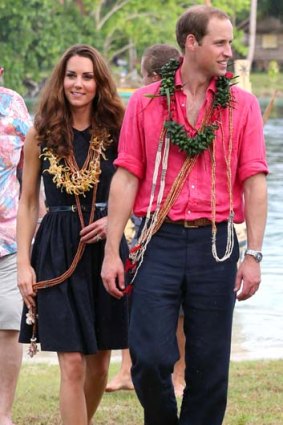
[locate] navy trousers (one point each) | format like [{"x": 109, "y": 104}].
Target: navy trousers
[{"x": 179, "y": 268}]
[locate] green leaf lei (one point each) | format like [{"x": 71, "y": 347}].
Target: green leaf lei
[{"x": 177, "y": 133}]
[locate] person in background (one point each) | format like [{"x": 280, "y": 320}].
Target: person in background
[
  {"x": 72, "y": 145},
  {"x": 153, "y": 59},
  {"x": 14, "y": 125},
  {"x": 192, "y": 162}
]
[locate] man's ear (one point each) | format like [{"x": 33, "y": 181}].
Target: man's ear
[
  {"x": 155, "y": 77},
  {"x": 191, "y": 42}
]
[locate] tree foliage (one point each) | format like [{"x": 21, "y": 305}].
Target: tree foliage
[
  {"x": 270, "y": 8},
  {"x": 34, "y": 33}
]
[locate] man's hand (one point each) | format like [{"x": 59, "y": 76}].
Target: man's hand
[
  {"x": 113, "y": 276},
  {"x": 248, "y": 278}
]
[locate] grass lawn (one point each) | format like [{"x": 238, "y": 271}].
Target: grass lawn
[
  {"x": 263, "y": 87},
  {"x": 255, "y": 398}
]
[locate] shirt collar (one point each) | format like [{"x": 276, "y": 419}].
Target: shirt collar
[{"x": 179, "y": 83}]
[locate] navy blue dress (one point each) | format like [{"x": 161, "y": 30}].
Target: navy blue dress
[{"x": 78, "y": 314}]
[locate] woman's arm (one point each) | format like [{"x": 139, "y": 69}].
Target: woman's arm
[{"x": 27, "y": 215}]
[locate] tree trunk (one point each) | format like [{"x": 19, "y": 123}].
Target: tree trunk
[
  {"x": 132, "y": 57},
  {"x": 252, "y": 32}
]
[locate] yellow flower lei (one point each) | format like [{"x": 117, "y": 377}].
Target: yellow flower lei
[{"x": 67, "y": 174}]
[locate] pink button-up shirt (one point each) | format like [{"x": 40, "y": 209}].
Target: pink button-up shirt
[
  {"x": 138, "y": 143},
  {"x": 14, "y": 125}
]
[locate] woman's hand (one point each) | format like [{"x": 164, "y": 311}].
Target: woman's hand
[
  {"x": 26, "y": 279},
  {"x": 95, "y": 231}
]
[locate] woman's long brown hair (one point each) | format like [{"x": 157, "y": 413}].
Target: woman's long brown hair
[{"x": 53, "y": 119}]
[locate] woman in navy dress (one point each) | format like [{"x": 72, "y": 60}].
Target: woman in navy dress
[{"x": 67, "y": 310}]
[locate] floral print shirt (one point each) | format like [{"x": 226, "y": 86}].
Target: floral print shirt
[{"x": 14, "y": 125}]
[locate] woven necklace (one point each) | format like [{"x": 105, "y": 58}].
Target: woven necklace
[
  {"x": 205, "y": 136},
  {"x": 175, "y": 133}
]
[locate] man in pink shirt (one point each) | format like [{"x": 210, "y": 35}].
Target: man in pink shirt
[{"x": 192, "y": 162}]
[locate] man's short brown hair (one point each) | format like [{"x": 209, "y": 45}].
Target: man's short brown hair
[{"x": 195, "y": 21}]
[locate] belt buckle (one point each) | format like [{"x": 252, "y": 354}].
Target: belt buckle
[
  {"x": 74, "y": 208},
  {"x": 189, "y": 225}
]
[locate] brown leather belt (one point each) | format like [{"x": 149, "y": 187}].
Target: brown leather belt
[{"x": 199, "y": 222}]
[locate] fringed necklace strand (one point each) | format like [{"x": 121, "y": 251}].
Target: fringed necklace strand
[{"x": 204, "y": 139}]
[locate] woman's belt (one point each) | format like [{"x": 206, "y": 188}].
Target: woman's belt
[
  {"x": 74, "y": 208},
  {"x": 199, "y": 222}
]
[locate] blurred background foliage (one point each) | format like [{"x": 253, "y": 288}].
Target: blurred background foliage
[{"x": 34, "y": 33}]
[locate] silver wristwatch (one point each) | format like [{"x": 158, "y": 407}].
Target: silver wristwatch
[{"x": 256, "y": 254}]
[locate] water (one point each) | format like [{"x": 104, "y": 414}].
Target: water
[{"x": 258, "y": 322}]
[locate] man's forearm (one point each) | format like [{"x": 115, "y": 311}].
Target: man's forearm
[
  {"x": 255, "y": 196},
  {"x": 121, "y": 200}
]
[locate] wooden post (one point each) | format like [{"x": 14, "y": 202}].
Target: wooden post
[{"x": 242, "y": 71}]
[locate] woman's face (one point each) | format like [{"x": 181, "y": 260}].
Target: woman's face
[{"x": 79, "y": 83}]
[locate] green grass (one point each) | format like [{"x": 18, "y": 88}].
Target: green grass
[
  {"x": 255, "y": 397},
  {"x": 263, "y": 86}
]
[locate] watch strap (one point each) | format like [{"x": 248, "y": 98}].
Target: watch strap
[{"x": 256, "y": 254}]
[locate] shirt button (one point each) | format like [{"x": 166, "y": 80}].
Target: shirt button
[
  {"x": 183, "y": 105},
  {"x": 189, "y": 212},
  {"x": 193, "y": 186}
]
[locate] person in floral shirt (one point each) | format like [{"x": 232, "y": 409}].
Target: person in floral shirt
[{"x": 14, "y": 124}]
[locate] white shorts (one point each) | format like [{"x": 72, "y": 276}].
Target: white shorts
[{"x": 11, "y": 303}]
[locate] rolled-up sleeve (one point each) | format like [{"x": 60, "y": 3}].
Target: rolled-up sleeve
[
  {"x": 252, "y": 158},
  {"x": 131, "y": 151}
]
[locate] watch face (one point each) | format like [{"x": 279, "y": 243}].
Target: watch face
[
  {"x": 256, "y": 254},
  {"x": 258, "y": 257}
]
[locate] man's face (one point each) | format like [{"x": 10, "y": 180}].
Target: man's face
[{"x": 214, "y": 50}]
